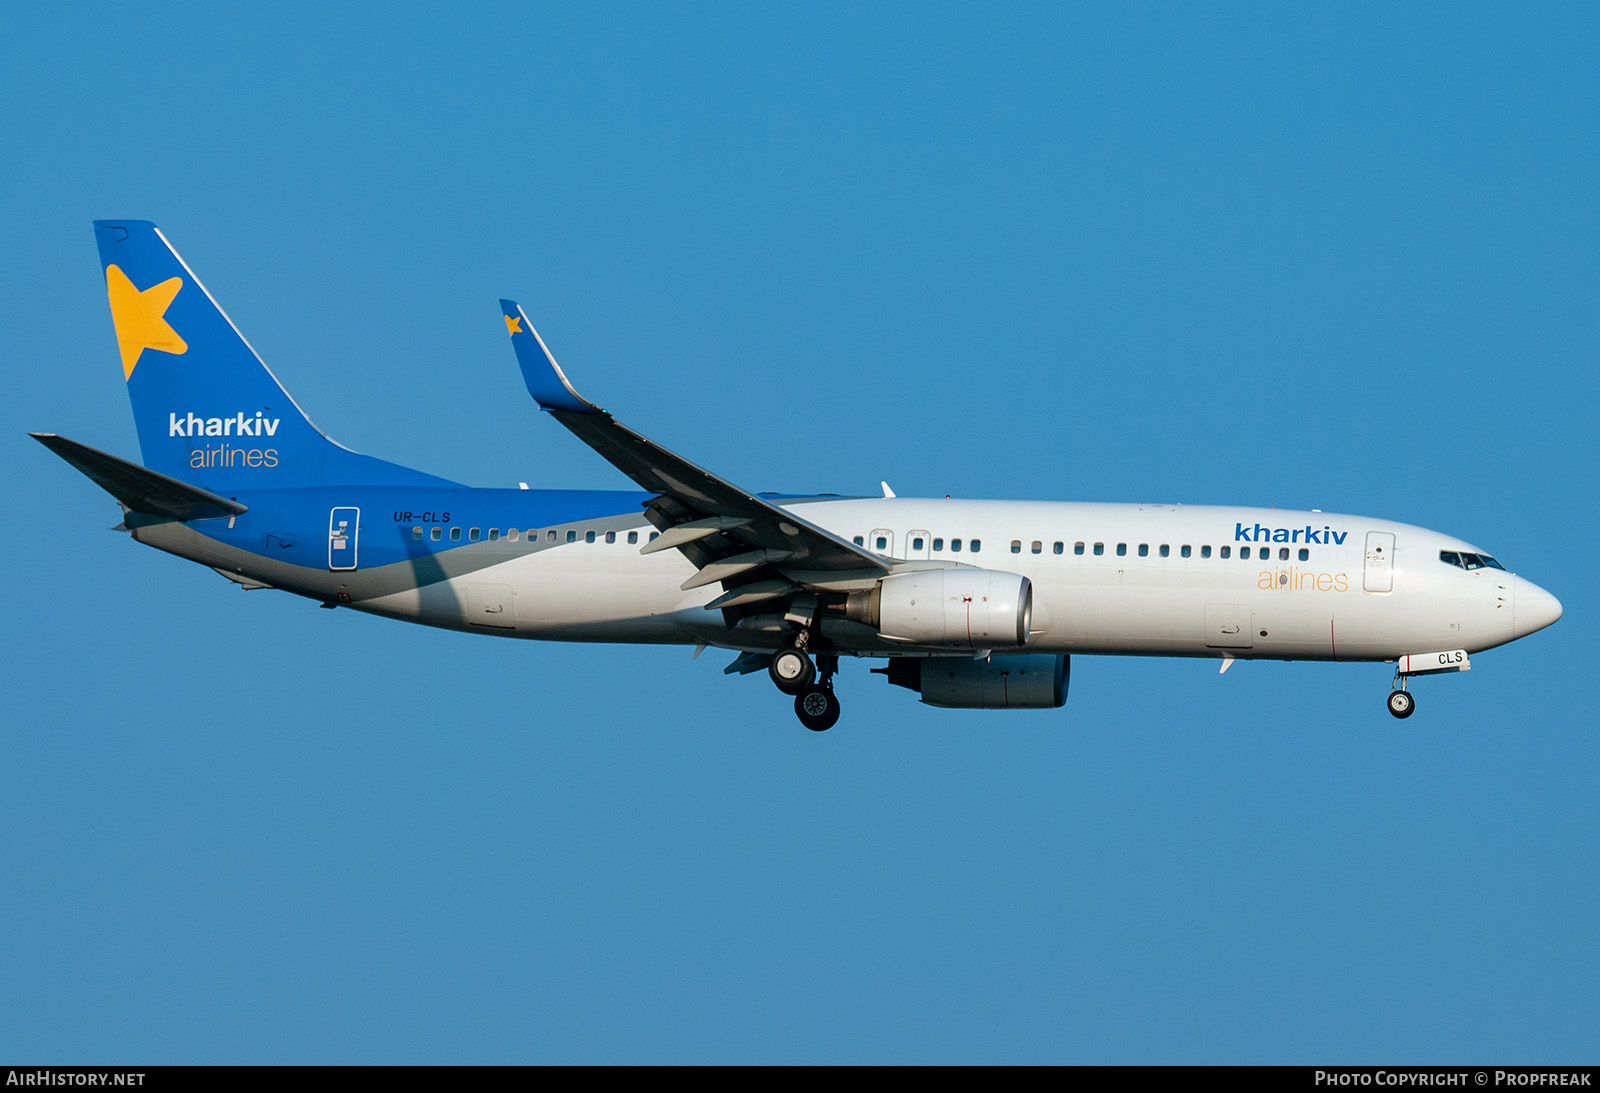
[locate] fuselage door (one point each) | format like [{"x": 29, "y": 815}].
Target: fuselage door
[
  {"x": 1378, "y": 576},
  {"x": 881, "y": 541},
  {"x": 344, "y": 529},
  {"x": 917, "y": 544}
]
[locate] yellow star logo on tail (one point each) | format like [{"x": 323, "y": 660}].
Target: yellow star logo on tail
[
  {"x": 513, "y": 324},
  {"x": 140, "y": 317}
]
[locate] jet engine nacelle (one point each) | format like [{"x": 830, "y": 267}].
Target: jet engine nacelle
[
  {"x": 964, "y": 608},
  {"x": 1034, "y": 681}
]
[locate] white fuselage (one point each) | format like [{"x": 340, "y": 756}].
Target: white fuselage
[{"x": 1107, "y": 578}]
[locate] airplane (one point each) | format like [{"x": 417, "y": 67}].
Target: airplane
[{"x": 972, "y": 604}]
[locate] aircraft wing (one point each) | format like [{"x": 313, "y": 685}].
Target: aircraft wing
[{"x": 755, "y": 548}]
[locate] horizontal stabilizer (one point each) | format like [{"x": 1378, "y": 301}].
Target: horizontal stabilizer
[{"x": 139, "y": 488}]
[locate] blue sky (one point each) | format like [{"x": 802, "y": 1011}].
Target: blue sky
[{"x": 1341, "y": 260}]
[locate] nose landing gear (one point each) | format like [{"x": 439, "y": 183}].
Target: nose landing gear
[{"x": 1401, "y": 704}]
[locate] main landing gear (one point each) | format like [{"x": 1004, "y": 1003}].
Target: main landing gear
[
  {"x": 817, "y": 708},
  {"x": 814, "y": 701},
  {"x": 791, "y": 670}
]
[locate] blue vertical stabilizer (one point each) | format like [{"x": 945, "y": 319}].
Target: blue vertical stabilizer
[{"x": 207, "y": 409}]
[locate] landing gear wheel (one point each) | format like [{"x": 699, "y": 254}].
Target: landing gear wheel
[
  {"x": 1401, "y": 704},
  {"x": 817, "y": 708},
  {"x": 791, "y": 670}
]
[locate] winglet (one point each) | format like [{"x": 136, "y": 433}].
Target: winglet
[{"x": 546, "y": 382}]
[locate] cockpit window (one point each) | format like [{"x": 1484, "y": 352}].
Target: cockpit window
[{"x": 1464, "y": 560}]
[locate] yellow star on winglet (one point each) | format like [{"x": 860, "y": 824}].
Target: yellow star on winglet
[
  {"x": 140, "y": 317},
  {"x": 513, "y": 324}
]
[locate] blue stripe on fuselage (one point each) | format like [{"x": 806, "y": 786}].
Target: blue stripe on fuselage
[{"x": 292, "y": 525}]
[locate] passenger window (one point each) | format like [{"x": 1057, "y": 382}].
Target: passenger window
[
  {"x": 1244, "y": 552},
  {"x": 416, "y": 534},
  {"x": 494, "y": 534},
  {"x": 572, "y": 537},
  {"x": 1077, "y": 548},
  {"x": 1283, "y": 554},
  {"x": 1016, "y": 546},
  {"x": 1184, "y": 550},
  {"x": 1060, "y": 547},
  {"x": 1305, "y": 555},
  {"x": 511, "y": 534},
  {"x": 455, "y": 535},
  {"x": 633, "y": 537},
  {"x": 1122, "y": 549},
  {"x": 1205, "y": 551},
  {"x": 859, "y": 541},
  {"x": 611, "y": 536},
  {"x": 1038, "y": 547},
  {"x": 1166, "y": 551},
  {"x": 883, "y": 543},
  {"x": 1225, "y": 551},
  {"x": 474, "y": 535},
  {"x": 436, "y": 534},
  {"x": 955, "y": 545},
  {"x": 1099, "y": 549},
  {"x": 654, "y": 535},
  {"x": 938, "y": 544},
  {"x": 976, "y": 545},
  {"x": 916, "y": 544},
  {"x": 1144, "y": 550}
]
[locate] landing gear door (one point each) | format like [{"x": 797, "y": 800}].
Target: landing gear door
[
  {"x": 1378, "y": 576},
  {"x": 344, "y": 529}
]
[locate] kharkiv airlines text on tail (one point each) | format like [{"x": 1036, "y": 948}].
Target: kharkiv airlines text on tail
[{"x": 976, "y": 604}]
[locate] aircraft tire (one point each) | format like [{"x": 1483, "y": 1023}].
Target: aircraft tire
[
  {"x": 791, "y": 670},
  {"x": 817, "y": 708},
  {"x": 1401, "y": 704}
]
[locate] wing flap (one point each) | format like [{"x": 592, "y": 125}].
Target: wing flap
[{"x": 692, "y": 531}]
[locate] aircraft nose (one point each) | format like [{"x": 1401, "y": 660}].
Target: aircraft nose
[{"x": 1532, "y": 608}]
